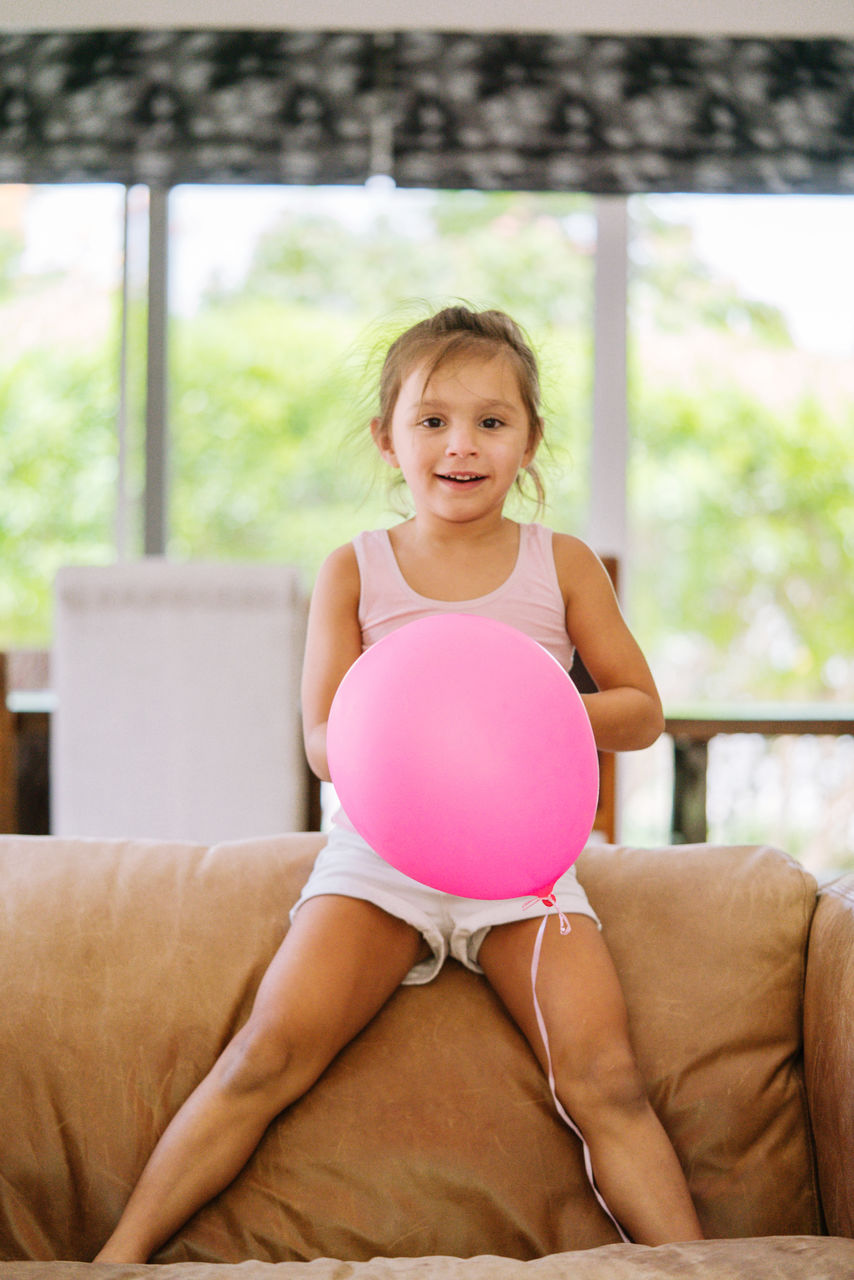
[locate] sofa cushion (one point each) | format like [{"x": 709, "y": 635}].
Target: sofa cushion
[
  {"x": 125, "y": 967},
  {"x": 710, "y": 944}
]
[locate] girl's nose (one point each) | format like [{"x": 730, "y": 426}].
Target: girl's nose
[{"x": 461, "y": 441}]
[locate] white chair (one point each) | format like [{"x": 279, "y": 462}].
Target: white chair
[{"x": 177, "y": 701}]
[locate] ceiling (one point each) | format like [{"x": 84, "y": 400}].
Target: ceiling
[{"x": 688, "y": 17}]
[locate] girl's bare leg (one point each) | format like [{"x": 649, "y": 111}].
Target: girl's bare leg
[
  {"x": 340, "y": 961},
  {"x": 596, "y": 1076}
]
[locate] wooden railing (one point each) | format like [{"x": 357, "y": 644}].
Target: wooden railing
[{"x": 693, "y": 728}]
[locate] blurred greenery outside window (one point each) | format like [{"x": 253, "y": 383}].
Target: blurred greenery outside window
[
  {"x": 741, "y": 394},
  {"x": 274, "y": 368},
  {"x": 60, "y": 317},
  {"x": 281, "y": 302}
]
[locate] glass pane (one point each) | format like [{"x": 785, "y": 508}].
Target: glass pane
[
  {"x": 60, "y": 295},
  {"x": 742, "y": 410},
  {"x": 282, "y": 299}
]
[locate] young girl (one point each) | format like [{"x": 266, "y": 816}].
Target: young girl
[{"x": 459, "y": 417}]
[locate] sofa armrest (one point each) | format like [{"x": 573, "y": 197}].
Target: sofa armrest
[{"x": 829, "y": 1050}]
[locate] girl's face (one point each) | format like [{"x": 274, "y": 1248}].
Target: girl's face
[{"x": 459, "y": 439}]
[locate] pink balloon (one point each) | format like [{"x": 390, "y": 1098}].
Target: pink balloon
[{"x": 461, "y": 752}]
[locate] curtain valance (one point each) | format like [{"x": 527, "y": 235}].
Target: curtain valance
[{"x": 604, "y": 114}]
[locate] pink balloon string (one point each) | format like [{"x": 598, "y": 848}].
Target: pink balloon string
[{"x": 541, "y": 1023}]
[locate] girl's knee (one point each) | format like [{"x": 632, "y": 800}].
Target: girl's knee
[
  {"x": 601, "y": 1082},
  {"x": 265, "y": 1059}
]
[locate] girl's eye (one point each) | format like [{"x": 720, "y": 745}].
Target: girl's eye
[
  {"x": 433, "y": 423},
  {"x": 491, "y": 423}
]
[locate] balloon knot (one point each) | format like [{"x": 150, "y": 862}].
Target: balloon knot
[{"x": 549, "y": 900}]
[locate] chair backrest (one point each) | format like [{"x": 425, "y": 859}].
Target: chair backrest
[{"x": 177, "y": 701}]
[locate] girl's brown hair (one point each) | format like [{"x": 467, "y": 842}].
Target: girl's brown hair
[{"x": 458, "y": 332}]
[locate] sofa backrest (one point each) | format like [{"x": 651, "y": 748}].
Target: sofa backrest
[{"x": 125, "y": 966}]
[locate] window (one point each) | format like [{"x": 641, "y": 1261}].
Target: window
[
  {"x": 741, "y": 396},
  {"x": 742, "y": 416}
]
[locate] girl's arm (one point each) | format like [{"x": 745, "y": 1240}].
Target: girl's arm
[
  {"x": 333, "y": 643},
  {"x": 626, "y": 713}
]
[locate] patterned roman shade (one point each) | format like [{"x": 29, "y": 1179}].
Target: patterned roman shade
[{"x": 602, "y": 114}]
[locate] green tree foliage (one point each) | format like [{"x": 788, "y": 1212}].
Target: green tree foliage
[
  {"x": 741, "y": 475},
  {"x": 296, "y": 354},
  {"x": 529, "y": 255},
  {"x": 675, "y": 291},
  {"x": 265, "y": 462},
  {"x": 753, "y": 508},
  {"x": 57, "y": 479}
]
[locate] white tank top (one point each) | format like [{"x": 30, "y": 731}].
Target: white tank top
[{"x": 529, "y": 599}]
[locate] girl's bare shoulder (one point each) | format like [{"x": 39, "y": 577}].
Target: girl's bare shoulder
[
  {"x": 339, "y": 571},
  {"x": 578, "y": 567}
]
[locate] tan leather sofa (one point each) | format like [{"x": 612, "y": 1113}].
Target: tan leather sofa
[{"x": 430, "y": 1147}]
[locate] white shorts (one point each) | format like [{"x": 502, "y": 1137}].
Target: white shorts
[{"x": 449, "y": 925}]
